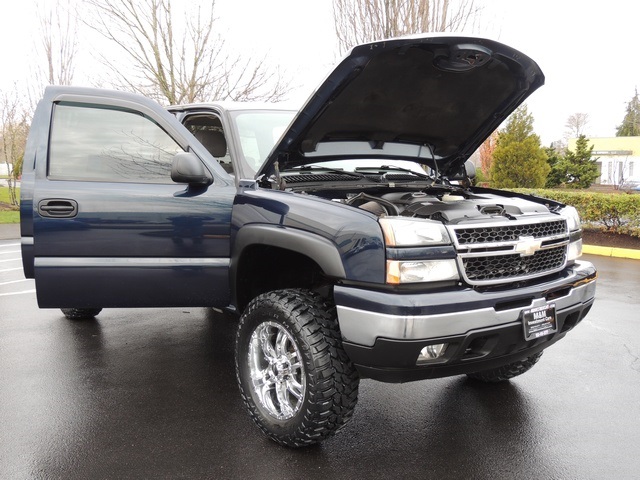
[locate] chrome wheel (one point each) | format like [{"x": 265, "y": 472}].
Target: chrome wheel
[
  {"x": 296, "y": 380},
  {"x": 276, "y": 370}
]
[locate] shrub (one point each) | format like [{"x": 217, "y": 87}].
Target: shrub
[{"x": 618, "y": 213}]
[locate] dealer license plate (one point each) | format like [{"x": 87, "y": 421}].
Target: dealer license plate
[{"x": 539, "y": 321}]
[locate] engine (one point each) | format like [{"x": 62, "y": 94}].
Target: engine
[{"x": 449, "y": 206}]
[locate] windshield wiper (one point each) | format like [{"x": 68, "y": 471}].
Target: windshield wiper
[
  {"x": 314, "y": 168},
  {"x": 395, "y": 169}
]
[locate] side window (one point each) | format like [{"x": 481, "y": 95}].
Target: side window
[
  {"x": 207, "y": 128},
  {"x": 107, "y": 144}
]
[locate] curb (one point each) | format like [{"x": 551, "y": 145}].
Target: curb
[
  {"x": 9, "y": 231},
  {"x": 611, "y": 252}
]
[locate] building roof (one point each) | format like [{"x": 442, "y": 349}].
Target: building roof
[{"x": 612, "y": 146}]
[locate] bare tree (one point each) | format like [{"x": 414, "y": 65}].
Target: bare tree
[
  {"x": 179, "y": 60},
  {"x": 486, "y": 154},
  {"x": 576, "y": 124},
  {"x": 559, "y": 146},
  {"x": 58, "y": 42},
  {"x": 13, "y": 137},
  {"x": 618, "y": 172},
  {"x": 360, "y": 21}
]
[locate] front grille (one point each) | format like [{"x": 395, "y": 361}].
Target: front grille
[
  {"x": 510, "y": 233},
  {"x": 506, "y": 267},
  {"x": 492, "y": 254}
]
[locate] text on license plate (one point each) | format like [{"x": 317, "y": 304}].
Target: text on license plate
[{"x": 539, "y": 321}]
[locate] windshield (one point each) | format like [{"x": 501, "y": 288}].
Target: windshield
[{"x": 258, "y": 132}]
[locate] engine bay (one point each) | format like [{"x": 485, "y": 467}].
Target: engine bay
[{"x": 446, "y": 204}]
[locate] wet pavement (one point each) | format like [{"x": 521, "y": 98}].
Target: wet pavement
[{"x": 151, "y": 394}]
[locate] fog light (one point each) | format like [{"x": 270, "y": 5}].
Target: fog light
[{"x": 431, "y": 352}]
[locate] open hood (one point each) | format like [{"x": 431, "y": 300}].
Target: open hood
[{"x": 430, "y": 99}]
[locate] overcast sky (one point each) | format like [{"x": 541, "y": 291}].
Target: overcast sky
[{"x": 587, "y": 50}]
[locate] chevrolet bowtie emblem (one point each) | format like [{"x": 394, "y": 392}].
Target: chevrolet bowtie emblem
[{"x": 527, "y": 246}]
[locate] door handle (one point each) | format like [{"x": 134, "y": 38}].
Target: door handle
[{"x": 58, "y": 208}]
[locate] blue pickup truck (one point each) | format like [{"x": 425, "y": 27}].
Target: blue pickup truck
[{"x": 347, "y": 235}]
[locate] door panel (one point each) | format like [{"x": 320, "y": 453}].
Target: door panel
[{"x": 110, "y": 228}]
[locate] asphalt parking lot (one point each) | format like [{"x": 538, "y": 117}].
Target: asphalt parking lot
[{"x": 151, "y": 394}]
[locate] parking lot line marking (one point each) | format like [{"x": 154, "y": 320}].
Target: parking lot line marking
[
  {"x": 10, "y": 251},
  {"x": 15, "y": 281},
  {"x": 17, "y": 293}
]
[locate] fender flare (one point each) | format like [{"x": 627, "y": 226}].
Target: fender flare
[{"x": 317, "y": 248}]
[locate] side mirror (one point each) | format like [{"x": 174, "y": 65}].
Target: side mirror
[
  {"x": 187, "y": 168},
  {"x": 468, "y": 174},
  {"x": 470, "y": 168}
]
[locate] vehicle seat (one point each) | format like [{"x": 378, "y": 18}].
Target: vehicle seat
[{"x": 212, "y": 140}]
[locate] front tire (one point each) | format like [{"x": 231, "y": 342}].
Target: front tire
[
  {"x": 506, "y": 372},
  {"x": 80, "y": 313},
  {"x": 295, "y": 379}
]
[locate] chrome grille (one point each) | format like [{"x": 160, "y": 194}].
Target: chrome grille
[
  {"x": 506, "y": 267},
  {"x": 511, "y": 251},
  {"x": 510, "y": 233}
]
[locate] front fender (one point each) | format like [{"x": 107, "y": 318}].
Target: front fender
[
  {"x": 323, "y": 230},
  {"x": 317, "y": 248}
]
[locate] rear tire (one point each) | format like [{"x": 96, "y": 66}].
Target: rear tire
[
  {"x": 506, "y": 372},
  {"x": 80, "y": 313},
  {"x": 295, "y": 378}
]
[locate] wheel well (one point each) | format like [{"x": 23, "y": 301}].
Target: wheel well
[{"x": 263, "y": 268}]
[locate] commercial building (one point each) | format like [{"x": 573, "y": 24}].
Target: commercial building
[{"x": 618, "y": 159}]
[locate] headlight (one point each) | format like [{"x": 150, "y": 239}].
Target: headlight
[
  {"x": 416, "y": 271},
  {"x": 404, "y": 232},
  {"x": 573, "y": 218},
  {"x": 401, "y": 232},
  {"x": 575, "y": 250},
  {"x": 573, "y": 222}
]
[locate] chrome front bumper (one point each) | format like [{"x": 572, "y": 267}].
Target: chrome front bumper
[
  {"x": 384, "y": 332},
  {"x": 454, "y": 313}
]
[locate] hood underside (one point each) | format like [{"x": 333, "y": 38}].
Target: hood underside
[{"x": 429, "y": 99}]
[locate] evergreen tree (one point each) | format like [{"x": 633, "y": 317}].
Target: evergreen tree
[
  {"x": 556, "y": 176},
  {"x": 631, "y": 123},
  {"x": 577, "y": 169},
  {"x": 519, "y": 160}
]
